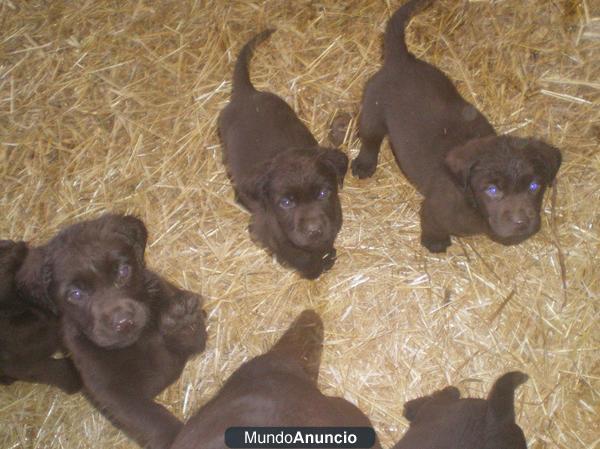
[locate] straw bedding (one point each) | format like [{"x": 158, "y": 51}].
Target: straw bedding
[{"x": 108, "y": 105}]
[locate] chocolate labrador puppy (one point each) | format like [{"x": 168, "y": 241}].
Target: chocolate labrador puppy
[
  {"x": 276, "y": 389},
  {"x": 473, "y": 180},
  {"x": 128, "y": 331},
  {"x": 281, "y": 174},
  {"x": 444, "y": 421},
  {"x": 29, "y": 335}
]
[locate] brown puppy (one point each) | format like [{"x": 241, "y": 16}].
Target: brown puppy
[
  {"x": 128, "y": 331},
  {"x": 29, "y": 335},
  {"x": 281, "y": 175},
  {"x": 277, "y": 389},
  {"x": 473, "y": 180},
  {"x": 444, "y": 421}
]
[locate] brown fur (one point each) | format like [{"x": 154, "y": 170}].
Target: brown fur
[
  {"x": 281, "y": 175},
  {"x": 444, "y": 421},
  {"x": 29, "y": 335},
  {"x": 129, "y": 331},
  {"x": 473, "y": 180},
  {"x": 277, "y": 389}
]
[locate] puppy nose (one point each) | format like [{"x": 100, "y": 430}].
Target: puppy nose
[
  {"x": 314, "y": 229},
  {"x": 520, "y": 219},
  {"x": 123, "y": 322}
]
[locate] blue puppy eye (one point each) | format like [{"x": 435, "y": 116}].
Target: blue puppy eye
[
  {"x": 324, "y": 193},
  {"x": 286, "y": 203},
  {"x": 75, "y": 294},
  {"x": 534, "y": 187},
  {"x": 492, "y": 191}
]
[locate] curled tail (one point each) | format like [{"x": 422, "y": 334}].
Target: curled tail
[
  {"x": 304, "y": 341},
  {"x": 394, "y": 43},
  {"x": 241, "y": 77},
  {"x": 502, "y": 397}
]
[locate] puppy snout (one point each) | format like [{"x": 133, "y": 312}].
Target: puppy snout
[
  {"x": 314, "y": 229},
  {"x": 123, "y": 321},
  {"x": 520, "y": 219}
]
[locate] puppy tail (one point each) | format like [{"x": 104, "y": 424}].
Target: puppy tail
[
  {"x": 241, "y": 76},
  {"x": 304, "y": 341},
  {"x": 394, "y": 43},
  {"x": 502, "y": 396}
]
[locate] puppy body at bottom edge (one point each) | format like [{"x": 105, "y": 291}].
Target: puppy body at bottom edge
[
  {"x": 473, "y": 181},
  {"x": 129, "y": 332},
  {"x": 276, "y": 389},
  {"x": 281, "y": 175},
  {"x": 443, "y": 420},
  {"x": 29, "y": 335}
]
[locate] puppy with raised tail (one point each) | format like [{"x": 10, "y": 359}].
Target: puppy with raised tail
[
  {"x": 281, "y": 175},
  {"x": 473, "y": 180}
]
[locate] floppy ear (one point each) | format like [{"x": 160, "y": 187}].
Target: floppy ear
[
  {"x": 337, "y": 161},
  {"x": 34, "y": 277},
  {"x": 546, "y": 157},
  {"x": 131, "y": 228},
  {"x": 252, "y": 190},
  {"x": 460, "y": 160}
]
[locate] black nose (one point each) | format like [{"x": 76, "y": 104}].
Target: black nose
[{"x": 123, "y": 322}]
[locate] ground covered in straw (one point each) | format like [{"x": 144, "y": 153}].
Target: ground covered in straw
[{"x": 112, "y": 106}]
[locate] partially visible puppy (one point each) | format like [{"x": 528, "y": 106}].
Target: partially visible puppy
[
  {"x": 473, "y": 180},
  {"x": 444, "y": 421},
  {"x": 281, "y": 174},
  {"x": 276, "y": 389},
  {"x": 29, "y": 335},
  {"x": 128, "y": 331}
]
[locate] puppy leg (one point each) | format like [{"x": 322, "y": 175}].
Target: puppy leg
[
  {"x": 60, "y": 373},
  {"x": 433, "y": 236},
  {"x": 372, "y": 130}
]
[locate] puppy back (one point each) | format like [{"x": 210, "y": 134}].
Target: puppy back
[
  {"x": 394, "y": 42},
  {"x": 241, "y": 75}
]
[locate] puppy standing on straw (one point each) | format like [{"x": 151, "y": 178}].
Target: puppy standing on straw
[
  {"x": 281, "y": 174},
  {"x": 474, "y": 181}
]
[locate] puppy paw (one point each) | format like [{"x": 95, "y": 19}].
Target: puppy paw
[
  {"x": 183, "y": 322},
  {"x": 339, "y": 128},
  {"x": 71, "y": 383},
  {"x": 436, "y": 245},
  {"x": 329, "y": 259},
  {"x": 362, "y": 169}
]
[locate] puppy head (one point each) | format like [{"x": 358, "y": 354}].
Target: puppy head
[
  {"x": 93, "y": 275},
  {"x": 12, "y": 255},
  {"x": 506, "y": 178},
  {"x": 298, "y": 189}
]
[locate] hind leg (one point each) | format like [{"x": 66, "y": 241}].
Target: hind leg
[{"x": 372, "y": 130}]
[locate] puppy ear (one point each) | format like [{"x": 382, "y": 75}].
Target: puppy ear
[
  {"x": 337, "y": 161},
  {"x": 131, "y": 228},
  {"x": 546, "y": 157},
  {"x": 460, "y": 160},
  {"x": 253, "y": 190},
  {"x": 34, "y": 277}
]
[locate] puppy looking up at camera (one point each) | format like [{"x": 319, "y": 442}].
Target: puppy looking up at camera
[
  {"x": 473, "y": 181},
  {"x": 128, "y": 331},
  {"x": 281, "y": 175}
]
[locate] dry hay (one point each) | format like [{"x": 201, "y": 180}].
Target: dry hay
[{"x": 108, "y": 105}]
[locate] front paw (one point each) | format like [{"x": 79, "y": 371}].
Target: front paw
[
  {"x": 329, "y": 259},
  {"x": 363, "y": 168},
  {"x": 183, "y": 322},
  {"x": 436, "y": 245}
]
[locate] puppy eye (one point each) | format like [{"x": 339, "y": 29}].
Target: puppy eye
[
  {"x": 286, "y": 203},
  {"x": 124, "y": 271},
  {"x": 324, "y": 193},
  {"x": 75, "y": 295},
  {"x": 534, "y": 187},
  {"x": 493, "y": 191}
]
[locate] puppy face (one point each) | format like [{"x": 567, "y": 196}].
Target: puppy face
[
  {"x": 299, "y": 190},
  {"x": 97, "y": 279},
  {"x": 506, "y": 178}
]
